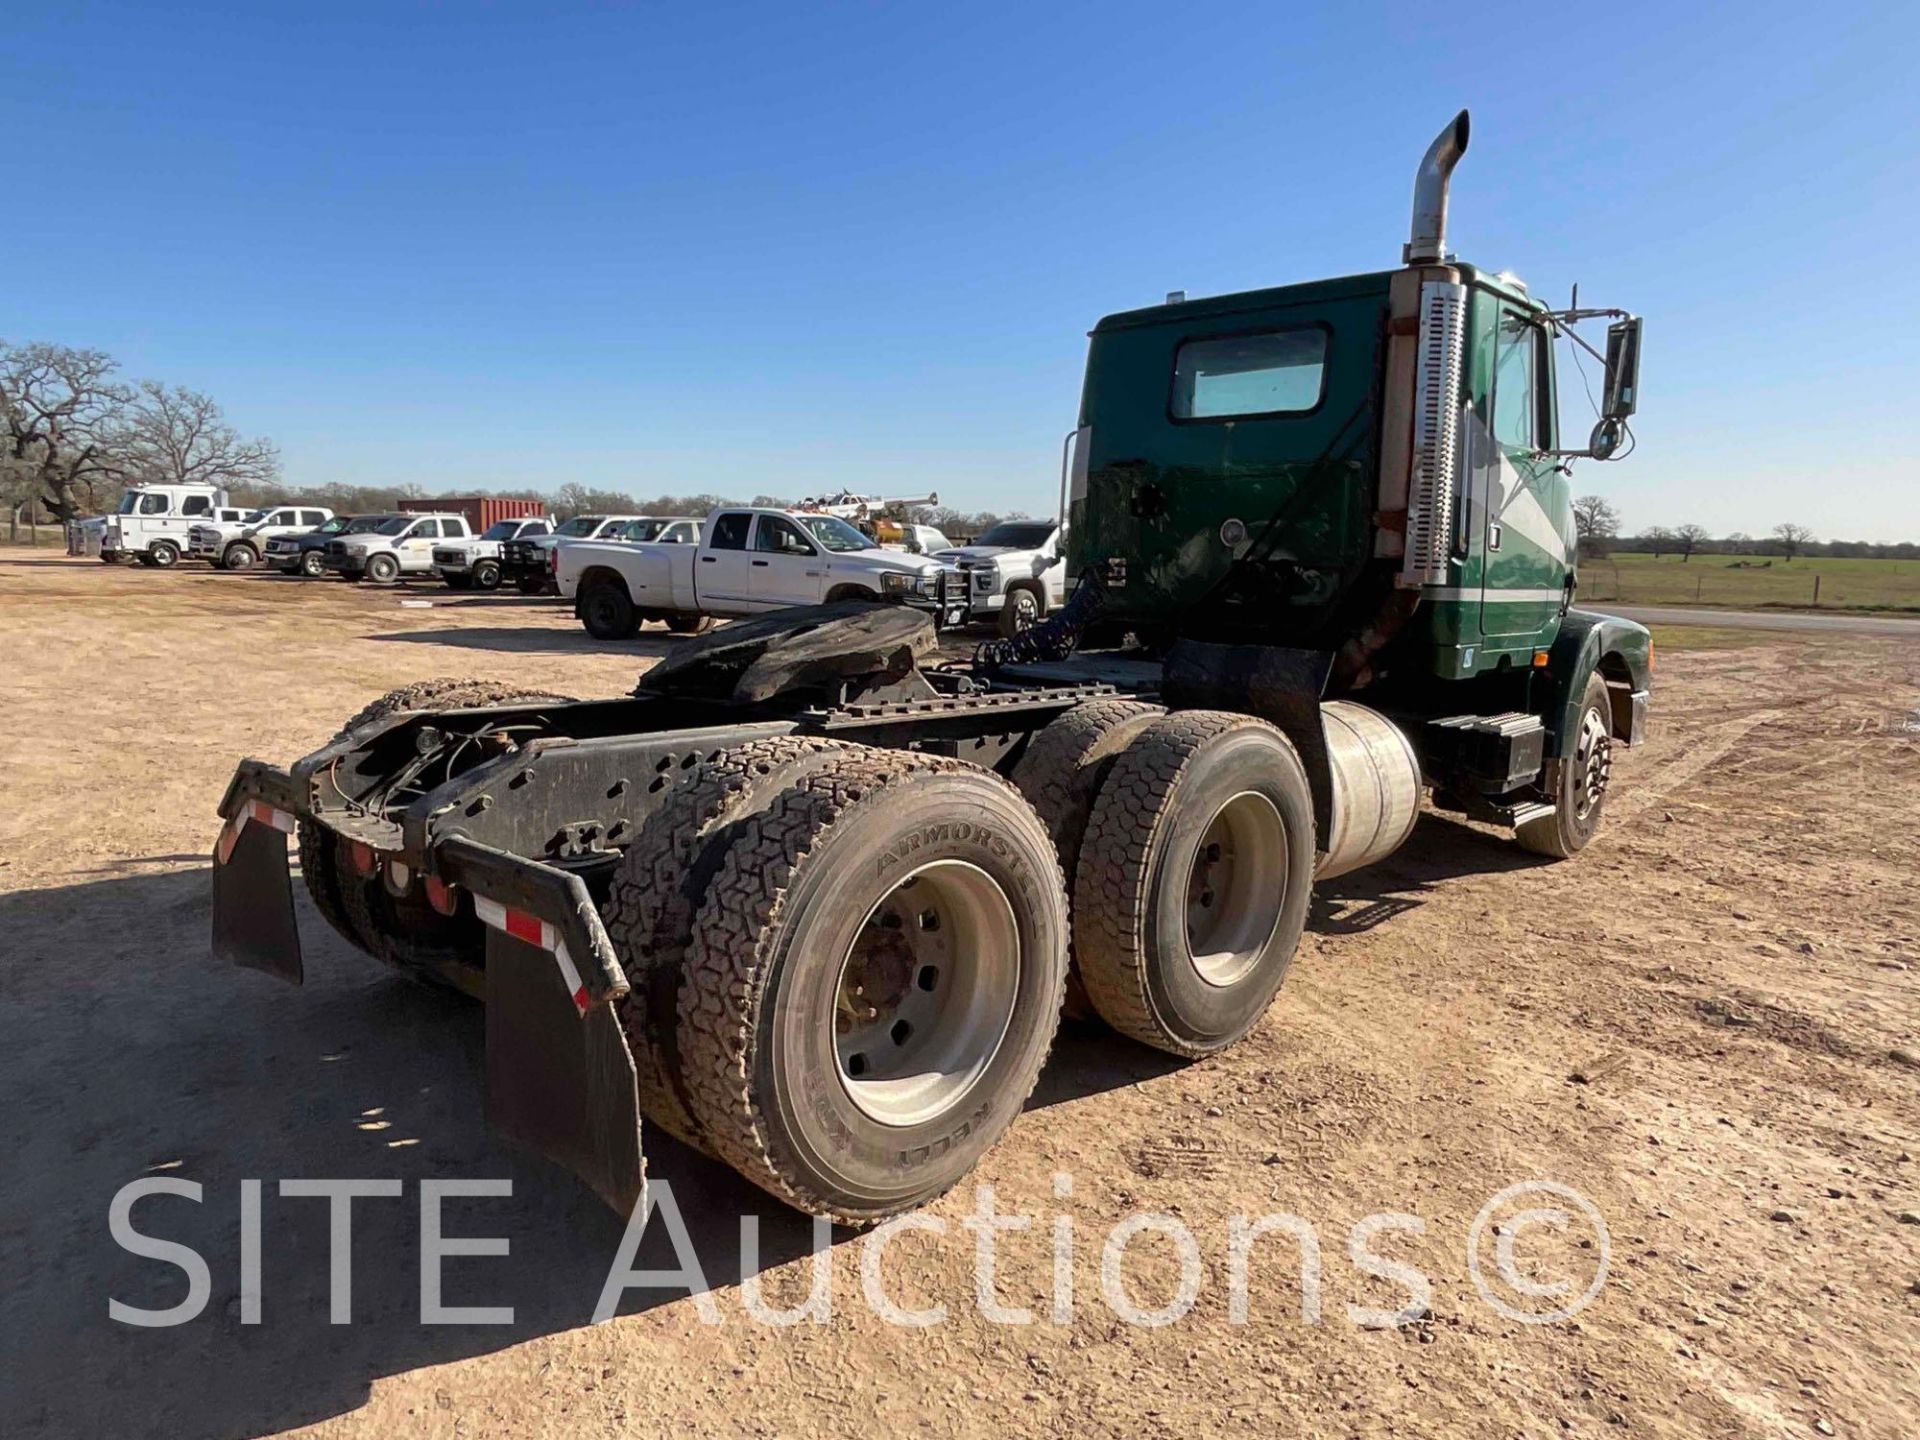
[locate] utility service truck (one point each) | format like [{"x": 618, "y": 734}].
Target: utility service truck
[
  {"x": 240, "y": 545},
  {"x": 152, "y": 522},
  {"x": 812, "y": 899},
  {"x": 748, "y": 560}
]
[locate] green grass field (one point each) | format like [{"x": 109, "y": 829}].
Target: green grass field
[{"x": 1749, "y": 582}]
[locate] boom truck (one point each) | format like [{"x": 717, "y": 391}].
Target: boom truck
[{"x": 812, "y": 900}]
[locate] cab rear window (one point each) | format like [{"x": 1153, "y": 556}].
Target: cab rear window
[{"x": 1232, "y": 377}]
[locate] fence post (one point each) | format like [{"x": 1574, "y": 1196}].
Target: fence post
[
  {"x": 1698, "y": 582},
  {"x": 1816, "y": 587}
]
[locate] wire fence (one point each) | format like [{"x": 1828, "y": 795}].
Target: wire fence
[{"x": 1805, "y": 584}]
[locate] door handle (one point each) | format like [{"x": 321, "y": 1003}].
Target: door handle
[
  {"x": 706, "y": 559},
  {"x": 760, "y": 564}
]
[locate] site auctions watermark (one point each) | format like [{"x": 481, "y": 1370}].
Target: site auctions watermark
[{"x": 1537, "y": 1252}]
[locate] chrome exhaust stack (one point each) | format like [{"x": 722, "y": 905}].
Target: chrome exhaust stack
[{"x": 1428, "y": 243}]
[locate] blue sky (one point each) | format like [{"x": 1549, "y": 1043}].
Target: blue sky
[{"x": 773, "y": 248}]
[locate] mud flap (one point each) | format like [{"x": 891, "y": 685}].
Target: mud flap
[
  {"x": 560, "y": 1081},
  {"x": 253, "y": 922}
]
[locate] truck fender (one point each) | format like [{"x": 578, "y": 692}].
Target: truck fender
[{"x": 1622, "y": 650}]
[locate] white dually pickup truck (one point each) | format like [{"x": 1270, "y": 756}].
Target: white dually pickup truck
[{"x": 749, "y": 560}]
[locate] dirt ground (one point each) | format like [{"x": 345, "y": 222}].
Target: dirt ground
[{"x": 1732, "y": 971}]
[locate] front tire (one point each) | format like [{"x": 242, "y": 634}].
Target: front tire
[
  {"x": 1193, "y": 881},
  {"x": 486, "y": 575},
  {"x": 531, "y": 585},
  {"x": 1021, "y": 611},
  {"x": 689, "y": 624},
  {"x": 164, "y": 554},
  {"x": 382, "y": 569},
  {"x": 238, "y": 557},
  {"x": 1580, "y": 788},
  {"x": 873, "y": 983},
  {"x": 311, "y": 565}
]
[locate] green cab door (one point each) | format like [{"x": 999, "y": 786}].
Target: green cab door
[{"x": 1521, "y": 507}]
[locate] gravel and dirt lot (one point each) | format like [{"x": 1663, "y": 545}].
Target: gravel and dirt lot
[{"x": 1708, "y": 1026}]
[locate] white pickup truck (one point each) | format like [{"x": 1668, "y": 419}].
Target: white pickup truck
[
  {"x": 528, "y": 562},
  {"x": 1013, "y": 575},
  {"x": 240, "y": 545},
  {"x": 748, "y": 560},
  {"x": 646, "y": 530},
  {"x": 474, "y": 564}
]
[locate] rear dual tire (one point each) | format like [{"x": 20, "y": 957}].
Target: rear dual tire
[
  {"x": 871, "y": 975},
  {"x": 403, "y": 931},
  {"x": 1193, "y": 880}
]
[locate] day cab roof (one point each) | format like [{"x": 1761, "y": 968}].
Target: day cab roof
[{"x": 1195, "y": 313}]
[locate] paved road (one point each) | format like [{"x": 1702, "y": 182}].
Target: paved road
[{"x": 1843, "y": 624}]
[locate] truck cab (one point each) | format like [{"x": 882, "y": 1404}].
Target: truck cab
[{"x": 152, "y": 522}]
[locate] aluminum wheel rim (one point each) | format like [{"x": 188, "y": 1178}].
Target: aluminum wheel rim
[
  {"x": 1026, "y": 609},
  {"x": 1234, "y": 890},
  {"x": 1593, "y": 764},
  {"x": 926, "y": 993}
]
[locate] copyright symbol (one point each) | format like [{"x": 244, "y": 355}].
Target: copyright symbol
[{"x": 1553, "y": 1220}]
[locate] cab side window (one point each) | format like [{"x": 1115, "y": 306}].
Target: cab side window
[
  {"x": 425, "y": 530},
  {"x": 454, "y": 529},
  {"x": 194, "y": 505},
  {"x": 1516, "y": 392},
  {"x": 730, "y": 531},
  {"x": 312, "y": 519},
  {"x": 780, "y": 536},
  {"x": 153, "y": 504}
]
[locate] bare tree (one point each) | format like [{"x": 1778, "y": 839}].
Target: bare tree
[
  {"x": 1690, "y": 538},
  {"x": 1791, "y": 538},
  {"x": 177, "y": 436},
  {"x": 60, "y": 423},
  {"x": 1660, "y": 538},
  {"x": 1596, "y": 522},
  {"x": 1739, "y": 542}
]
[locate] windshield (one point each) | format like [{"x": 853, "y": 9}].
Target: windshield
[
  {"x": 393, "y": 525},
  {"x": 361, "y": 524},
  {"x": 836, "y": 534},
  {"x": 581, "y": 525},
  {"x": 128, "y": 502},
  {"x": 333, "y": 526},
  {"x": 644, "y": 530},
  {"x": 1018, "y": 534},
  {"x": 253, "y": 517},
  {"x": 502, "y": 530}
]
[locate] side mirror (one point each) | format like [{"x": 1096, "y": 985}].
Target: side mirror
[
  {"x": 1623, "y": 369},
  {"x": 1052, "y": 560},
  {"x": 1606, "y": 438}
]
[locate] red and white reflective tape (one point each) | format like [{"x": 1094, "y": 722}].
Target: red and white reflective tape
[
  {"x": 536, "y": 932},
  {"x": 258, "y": 810}
]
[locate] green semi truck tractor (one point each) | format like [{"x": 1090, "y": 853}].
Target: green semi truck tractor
[{"x": 815, "y": 897}]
